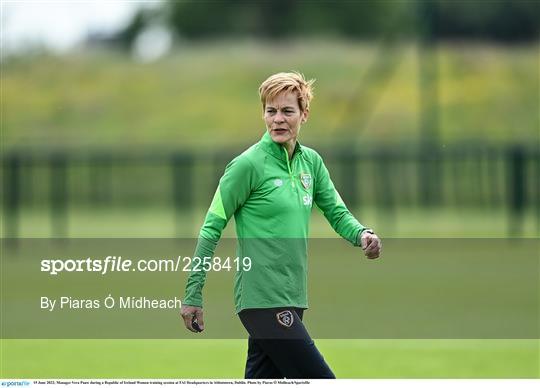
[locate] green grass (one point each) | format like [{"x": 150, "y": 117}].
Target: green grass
[
  {"x": 161, "y": 222},
  {"x": 220, "y": 358},
  {"x": 225, "y": 358}
]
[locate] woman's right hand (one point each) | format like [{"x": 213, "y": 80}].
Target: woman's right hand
[{"x": 188, "y": 313}]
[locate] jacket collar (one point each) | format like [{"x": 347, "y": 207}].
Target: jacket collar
[{"x": 276, "y": 149}]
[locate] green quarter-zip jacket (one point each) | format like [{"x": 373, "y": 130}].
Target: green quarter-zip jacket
[{"x": 271, "y": 198}]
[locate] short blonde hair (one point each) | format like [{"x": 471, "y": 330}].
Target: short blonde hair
[{"x": 287, "y": 82}]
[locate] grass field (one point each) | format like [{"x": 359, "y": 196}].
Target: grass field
[
  {"x": 225, "y": 358},
  {"x": 162, "y": 222}
]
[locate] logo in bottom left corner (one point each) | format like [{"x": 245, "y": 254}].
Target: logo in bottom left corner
[{"x": 285, "y": 318}]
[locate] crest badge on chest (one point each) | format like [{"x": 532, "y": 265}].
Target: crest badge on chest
[{"x": 306, "y": 180}]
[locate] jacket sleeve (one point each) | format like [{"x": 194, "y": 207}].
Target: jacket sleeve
[
  {"x": 233, "y": 190},
  {"x": 330, "y": 203}
]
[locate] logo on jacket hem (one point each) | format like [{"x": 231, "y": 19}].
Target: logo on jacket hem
[
  {"x": 285, "y": 318},
  {"x": 306, "y": 180}
]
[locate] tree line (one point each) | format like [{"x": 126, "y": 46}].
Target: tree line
[{"x": 496, "y": 20}]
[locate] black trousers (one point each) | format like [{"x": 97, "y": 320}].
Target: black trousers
[{"x": 279, "y": 346}]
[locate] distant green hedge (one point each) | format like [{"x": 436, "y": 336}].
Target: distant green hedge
[{"x": 206, "y": 95}]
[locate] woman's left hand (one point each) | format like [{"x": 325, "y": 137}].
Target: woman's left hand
[{"x": 371, "y": 244}]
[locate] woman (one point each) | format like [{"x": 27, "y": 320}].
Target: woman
[{"x": 270, "y": 189}]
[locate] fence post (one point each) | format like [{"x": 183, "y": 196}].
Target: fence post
[
  {"x": 428, "y": 79},
  {"x": 516, "y": 186},
  {"x": 11, "y": 183},
  {"x": 349, "y": 173},
  {"x": 100, "y": 180},
  {"x": 536, "y": 188},
  {"x": 182, "y": 165},
  {"x": 384, "y": 184},
  {"x": 59, "y": 197}
]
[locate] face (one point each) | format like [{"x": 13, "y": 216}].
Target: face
[{"x": 283, "y": 118}]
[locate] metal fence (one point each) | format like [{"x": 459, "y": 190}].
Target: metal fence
[{"x": 387, "y": 178}]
